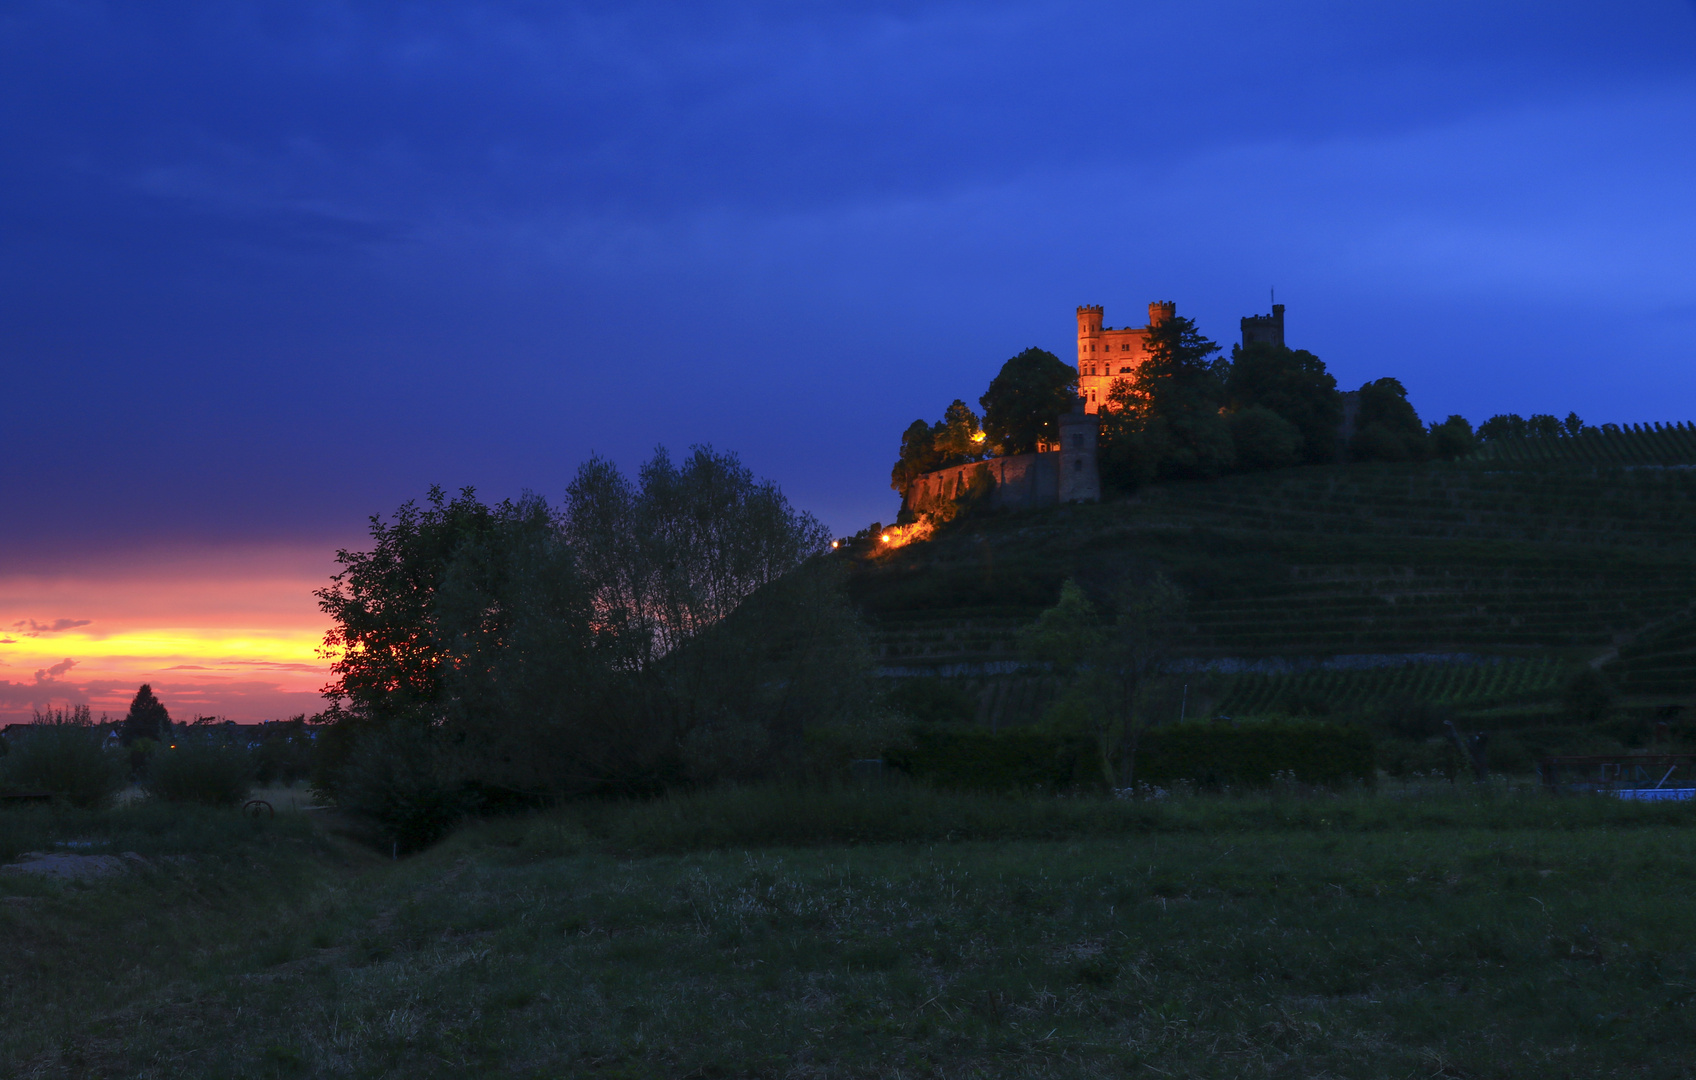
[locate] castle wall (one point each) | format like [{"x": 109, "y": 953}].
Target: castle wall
[
  {"x": 1019, "y": 482},
  {"x": 1022, "y": 481}
]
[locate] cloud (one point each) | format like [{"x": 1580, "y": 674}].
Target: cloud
[
  {"x": 8, "y": 641},
  {"x": 31, "y": 628},
  {"x": 49, "y": 674},
  {"x": 277, "y": 665}
]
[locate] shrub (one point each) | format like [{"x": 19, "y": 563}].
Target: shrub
[
  {"x": 204, "y": 772},
  {"x": 932, "y": 701},
  {"x": 1255, "y": 754},
  {"x": 1000, "y": 761},
  {"x": 401, "y": 776},
  {"x": 63, "y": 753}
]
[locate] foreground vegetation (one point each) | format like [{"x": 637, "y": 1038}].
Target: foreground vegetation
[{"x": 894, "y": 931}]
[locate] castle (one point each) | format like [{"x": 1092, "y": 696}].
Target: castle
[
  {"x": 1106, "y": 354},
  {"x": 1067, "y": 472}
]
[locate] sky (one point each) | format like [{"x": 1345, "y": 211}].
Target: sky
[{"x": 268, "y": 269}]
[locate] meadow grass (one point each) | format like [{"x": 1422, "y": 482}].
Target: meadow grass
[{"x": 890, "y": 931}]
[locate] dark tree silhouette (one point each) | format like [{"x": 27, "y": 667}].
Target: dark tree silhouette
[
  {"x": 1294, "y": 384},
  {"x": 1024, "y": 402},
  {"x": 1387, "y": 428},
  {"x": 147, "y": 718}
]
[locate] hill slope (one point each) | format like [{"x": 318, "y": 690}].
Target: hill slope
[{"x": 1479, "y": 564}]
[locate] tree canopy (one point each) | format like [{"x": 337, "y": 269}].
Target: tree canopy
[
  {"x": 1386, "y": 426},
  {"x": 954, "y": 440},
  {"x": 672, "y": 627},
  {"x": 1164, "y": 421},
  {"x": 1024, "y": 401},
  {"x": 1535, "y": 426},
  {"x": 1294, "y": 384}
]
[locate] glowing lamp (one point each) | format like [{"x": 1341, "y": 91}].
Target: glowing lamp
[{"x": 978, "y": 437}]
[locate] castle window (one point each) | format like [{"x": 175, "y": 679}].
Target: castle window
[{"x": 1126, "y": 347}]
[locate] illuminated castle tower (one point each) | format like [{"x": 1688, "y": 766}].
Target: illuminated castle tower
[{"x": 1106, "y": 354}]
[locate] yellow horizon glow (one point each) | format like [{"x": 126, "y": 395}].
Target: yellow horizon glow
[{"x": 229, "y": 632}]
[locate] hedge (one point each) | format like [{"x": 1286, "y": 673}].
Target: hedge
[
  {"x": 1000, "y": 761},
  {"x": 1253, "y": 754}
]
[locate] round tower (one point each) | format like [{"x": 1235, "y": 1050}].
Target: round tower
[{"x": 1160, "y": 311}]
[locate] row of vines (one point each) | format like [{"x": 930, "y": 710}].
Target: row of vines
[{"x": 1461, "y": 686}]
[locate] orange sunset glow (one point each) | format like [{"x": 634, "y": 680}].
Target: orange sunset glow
[{"x": 219, "y": 633}]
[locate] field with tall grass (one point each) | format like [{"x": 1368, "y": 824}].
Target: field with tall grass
[{"x": 1419, "y": 930}]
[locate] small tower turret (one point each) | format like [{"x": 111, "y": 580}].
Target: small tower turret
[
  {"x": 1089, "y": 320},
  {"x": 1160, "y": 311}
]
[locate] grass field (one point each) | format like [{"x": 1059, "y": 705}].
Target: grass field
[{"x": 895, "y": 932}]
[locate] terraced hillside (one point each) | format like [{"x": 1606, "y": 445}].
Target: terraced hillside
[{"x": 1559, "y": 562}]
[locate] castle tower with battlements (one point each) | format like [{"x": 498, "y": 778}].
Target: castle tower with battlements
[
  {"x": 1267, "y": 329},
  {"x": 1106, "y": 354}
]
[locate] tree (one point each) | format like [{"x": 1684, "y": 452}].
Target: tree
[
  {"x": 1588, "y": 696},
  {"x": 1108, "y": 666},
  {"x": 1536, "y": 426},
  {"x": 1452, "y": 439},
  {"x": 1135, "y": 650},
  {"x": 1386, "y": 427},
  {"x": 1263, "y": 439},
  {"x": 1024, "y": 401},
  {"x": 959, "y": 438},
  {"x": 383, "y": 640},
  {"x": 1294, "y": 384},
  {"x": 677, "y": 551},
  {"x": 147, "y": 718},
  {"x": 918, "y": 456},
  {"x": 956, "y": 439},
  {"x": 651, "y": 631},
  {"x": 1164, "y": 421}
]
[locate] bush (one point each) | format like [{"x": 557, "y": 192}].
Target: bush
[
  {"x": 63, "y": 753},
  {"x": 932, "y": 701},
  {"x": 1256, "y": 754},
  {"x": 1000, "y": 761},
  {"x": 204, "y": 772},
  {"x": 402, "y": 777}
]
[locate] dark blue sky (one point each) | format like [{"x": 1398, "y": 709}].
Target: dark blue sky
[{"x": 266, "y": 269}]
